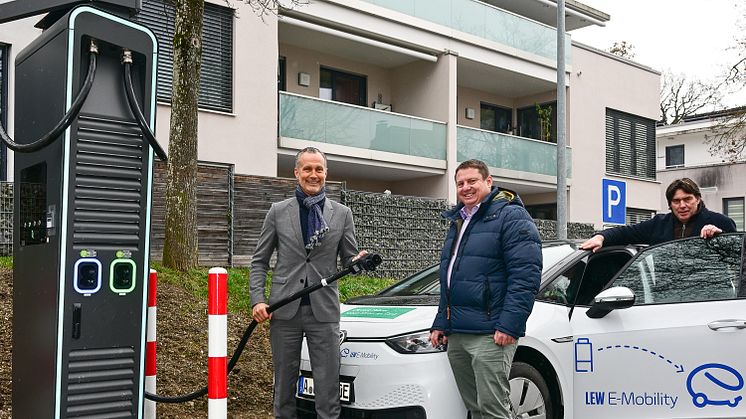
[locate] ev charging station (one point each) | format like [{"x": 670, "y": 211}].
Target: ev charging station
[{"x": 82, "y": 209}]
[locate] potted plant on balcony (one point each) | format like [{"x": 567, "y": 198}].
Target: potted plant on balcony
[{"x": 545, "y": 122}]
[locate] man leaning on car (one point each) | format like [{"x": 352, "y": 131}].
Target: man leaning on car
[
  {"x": 490, "y": 270},
  {"x": 688, "y": 217}
]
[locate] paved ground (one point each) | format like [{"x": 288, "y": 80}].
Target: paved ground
[{"x": 182, "y": 356}]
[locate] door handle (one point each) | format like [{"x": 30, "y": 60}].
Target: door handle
[{"x": 727, "y": 324}]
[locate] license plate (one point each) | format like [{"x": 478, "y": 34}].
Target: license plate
[{"x": 306, "y": 389}]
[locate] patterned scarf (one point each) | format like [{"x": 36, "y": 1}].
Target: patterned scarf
[{"x": 316, "y": 224}]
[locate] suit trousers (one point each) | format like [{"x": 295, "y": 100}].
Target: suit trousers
[
  {"x": 481, "y": 369},
  {"x": 286, "y": 338}
]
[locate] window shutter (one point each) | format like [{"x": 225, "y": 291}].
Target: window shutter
[
  {"x": 216, "y": 79},
  {"x": 630, "y": 145},
  {"x": 636, "y": 215}
]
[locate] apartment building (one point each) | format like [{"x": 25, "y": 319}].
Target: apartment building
[
  {"x": 683, "y": 151},
  {"x": 398, "y": 92}
]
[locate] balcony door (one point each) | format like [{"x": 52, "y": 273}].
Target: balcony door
[
  {"x": 343, "y": 87},
  {"x": 495, "y": 118}
]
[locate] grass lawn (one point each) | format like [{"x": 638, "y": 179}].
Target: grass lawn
[{"x": 195, "y": 282}]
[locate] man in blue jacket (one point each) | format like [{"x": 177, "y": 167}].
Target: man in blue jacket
[
  {"x": 688, "y": 217},
  {"x": 490, "y": 270}
]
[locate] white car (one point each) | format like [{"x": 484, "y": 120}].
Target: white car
[{"x": 626, "y": 332}]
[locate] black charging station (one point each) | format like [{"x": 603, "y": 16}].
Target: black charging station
[{"x": 82, "y": 211}]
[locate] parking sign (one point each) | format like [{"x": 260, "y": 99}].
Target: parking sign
[{"x": 614, "y": 201}]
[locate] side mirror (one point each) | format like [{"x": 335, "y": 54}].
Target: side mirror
[{"x": 613, "y": 298}]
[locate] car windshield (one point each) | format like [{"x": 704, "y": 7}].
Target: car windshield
[{"x": 426, "y": 281}]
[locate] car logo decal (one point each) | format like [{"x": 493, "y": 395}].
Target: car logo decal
[{"x": 342, "y": 336}]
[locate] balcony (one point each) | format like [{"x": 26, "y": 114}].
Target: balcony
[
  {"x": 362, "y": 130},
  {"x": 485, "y": 21},
  {"x": 510, "y": 153}
]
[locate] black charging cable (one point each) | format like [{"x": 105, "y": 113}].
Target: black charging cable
[
  {"x": 368, "y": 262},
  {"x": 135, "y": 107},
  {"x": 67, "y": 119}
]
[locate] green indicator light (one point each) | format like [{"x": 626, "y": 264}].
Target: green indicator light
[
  {"x": 84, "y": 253},
  {"x": 120, "y": 254}
]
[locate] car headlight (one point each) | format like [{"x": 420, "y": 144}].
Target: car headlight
[{"x": 415, "y": 343}]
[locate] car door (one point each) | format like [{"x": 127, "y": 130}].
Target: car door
[{"x": 678, "y": 351}]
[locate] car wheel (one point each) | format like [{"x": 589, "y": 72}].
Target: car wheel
[{"x": 529, "y": 393}]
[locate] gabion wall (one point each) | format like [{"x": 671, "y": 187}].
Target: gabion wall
[
  {"x": 548, "y": 230},
  {"x": 407, "y": 231}
]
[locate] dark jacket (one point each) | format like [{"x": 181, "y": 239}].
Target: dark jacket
[
  {"x": 497, "y": 271},
  {"x": 661, "y": 228}
]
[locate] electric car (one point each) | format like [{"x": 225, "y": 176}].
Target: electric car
[{"x": 619, "y": 333}]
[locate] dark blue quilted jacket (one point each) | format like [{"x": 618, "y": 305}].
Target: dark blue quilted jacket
[{"x": 497, "y": 270}]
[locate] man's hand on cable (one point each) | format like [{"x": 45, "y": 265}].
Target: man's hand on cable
[
  {"x": 503, "y": 339},
  {"x": 437, "y": 337},
  {"x": 359, "y": 255},
  {"x": 259, "y": 312}
]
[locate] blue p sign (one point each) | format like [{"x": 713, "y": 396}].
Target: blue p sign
[{"x": 614, "y": 201}]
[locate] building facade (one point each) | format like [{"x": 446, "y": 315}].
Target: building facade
[
  {"x": 398, "y": 92},
  {"x": 683, "y": 151}
]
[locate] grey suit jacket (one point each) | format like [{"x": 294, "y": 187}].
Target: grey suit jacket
[{"x": 281, "y": 231}]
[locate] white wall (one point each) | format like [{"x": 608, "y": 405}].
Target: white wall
[
  {"x": 246, "y": 137},
  {"x": 599, "y": 81},
  {"x": 692, "y": 136}
]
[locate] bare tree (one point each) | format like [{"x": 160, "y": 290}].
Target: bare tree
[
  {"x": 623, "y": 49},
  {"x": 180, "y": 247},
  {"x": 682, "y": 97},
  {"x": 728, "y": 140}
]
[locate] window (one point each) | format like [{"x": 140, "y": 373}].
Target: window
[
  {"x": 630, "y": 145},
  {"x": 281, "y": 75},
  {"x": 3, "y": 107},
  {"x": 636, "y": 215},
  {"x": 582, "y": 281},
  {"x": 343, "y": 87},
  {"x": 675, "y": 156},
  {"x": 733, "y": 208},
  {"x": 686, "y": 270},
  {"x": 530, "y": 125},
  {"x": 495, "y": 118},
  {"x": 216, "y": 78},
  {"x": 543, "y": 211}
]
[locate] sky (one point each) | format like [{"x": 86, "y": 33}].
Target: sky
[{"x": 692, "y": 37}]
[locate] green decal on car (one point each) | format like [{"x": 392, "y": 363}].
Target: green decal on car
[{"x": 377, "y": 312}]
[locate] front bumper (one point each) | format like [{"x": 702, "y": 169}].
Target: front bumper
[{"x": 388, "y": 384}]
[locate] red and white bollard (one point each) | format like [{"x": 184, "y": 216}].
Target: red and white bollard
[
  {"x": 217, "y": 362},
  {"x": 150, "y": 344}
]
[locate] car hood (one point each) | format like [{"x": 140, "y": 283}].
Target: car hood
[{"x": 362, "y": 321}]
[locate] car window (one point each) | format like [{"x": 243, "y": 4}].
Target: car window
[
  {"x": 580, "y": 283},
  {"x": 559, "y": 290},
  {"x": 686, "y": 271},
  {"x": 426, "y": 281},
  {"x": 422, "y": 283}
]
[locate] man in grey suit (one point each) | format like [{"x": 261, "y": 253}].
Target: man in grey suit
[{"x": 309, "y": 232}]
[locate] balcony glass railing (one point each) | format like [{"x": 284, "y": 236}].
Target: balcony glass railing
[
  {"x": 505, "y": 151},
  {"x": 313, "y": 119},
  {"x": 485, "y": 21}
]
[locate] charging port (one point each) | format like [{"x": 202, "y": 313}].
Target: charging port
[
  {"x": 122, "y": 276},
  {"x": 87, "y": 276}
]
